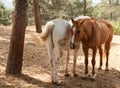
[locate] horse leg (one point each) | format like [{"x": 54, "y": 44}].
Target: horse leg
[
  {"x": 93, "y": 63},
  {"x": 107, "y": 48},
  {"x": 74, "y": 61},
  {"x": 101, "y": 54},
  {"x": 85, "y": 49},
  {"x": 66, "y": 70},
  {"x": 57, "y": 82},
  {"x": 50, "y": 55}
]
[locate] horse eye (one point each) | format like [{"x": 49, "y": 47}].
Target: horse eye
[{"x": 78, "y": 31}]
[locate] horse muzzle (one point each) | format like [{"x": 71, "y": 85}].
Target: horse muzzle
[{"x": 72, "y": 45}]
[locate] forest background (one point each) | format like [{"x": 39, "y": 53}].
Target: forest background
[{"x": 51, "y": 9}]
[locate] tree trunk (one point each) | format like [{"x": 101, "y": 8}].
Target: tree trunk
[
  {"x": 110, "y": 13},
  {"x": 84, "y": 8},
  {"x": 37, "y": 16},
  {"x": 15, "y": 56}
]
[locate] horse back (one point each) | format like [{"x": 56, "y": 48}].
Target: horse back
[
  {"x": 108, "y": 24},
  {"x": 60, "y": 32},
  {"x": 106, "y": 31}
]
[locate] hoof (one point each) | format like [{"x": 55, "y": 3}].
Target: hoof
[
  {"x": 61, "y": 54},
  {"x": 106, "y": 69},
  {"x": 57, "y": 83},
  {"x": 100, "y": 68},
  {"x": 67, "y": 75},
  {"x": 93, "y": 78},
  {"x": 85, "y": 76},
  {"x": 75, "y": 75}
]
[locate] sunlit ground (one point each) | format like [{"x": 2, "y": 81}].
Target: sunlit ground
[{"x": 36, "y": 71}]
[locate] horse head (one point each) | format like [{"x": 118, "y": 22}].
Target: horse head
[{"x": 81, "y": 30}]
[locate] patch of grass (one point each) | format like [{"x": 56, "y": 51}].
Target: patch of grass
[{"x": 116, "y": 25}]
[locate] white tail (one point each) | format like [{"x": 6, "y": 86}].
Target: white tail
[
  {"x": 48, "y": 29},
  {"x": 37, "y": 39},
  {"x": 41, "y": 38}
]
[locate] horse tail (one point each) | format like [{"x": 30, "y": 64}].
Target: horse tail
[
  {"x": 111, "y": 29},
  {"x": 37, "y": 39},
  {"x": 47, "y": 30}
]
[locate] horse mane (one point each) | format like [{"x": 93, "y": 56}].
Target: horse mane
[
  {"x": 47, "y": 29},
  {"x": 77, "y": 18}
]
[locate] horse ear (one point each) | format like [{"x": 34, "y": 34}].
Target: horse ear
[
  {"x": 81, "y": 22},
  {"x": 72, "y": 20},
  {"x": 92, "y": 18}
]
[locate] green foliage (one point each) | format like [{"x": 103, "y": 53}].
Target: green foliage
[
  {"x": 100, "y": 11},
  {"x": 51, "y": 9},
  {"x": 77, "y": 8},
  {"x": 105, "y": 8},
  {"x": 116, "y": 25},
  {"x": 5, "y": 15}
]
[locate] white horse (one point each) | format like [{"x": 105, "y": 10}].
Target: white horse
[{"x": 56, "y": 35}]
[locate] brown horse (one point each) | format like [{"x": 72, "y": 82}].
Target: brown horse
[{"x": 92, "y": 34}]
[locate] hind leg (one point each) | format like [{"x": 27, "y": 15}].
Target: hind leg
[
  {"x": 107, "y": 48},
  {"x": 101, "y": 54},
  {"x": 56, "y": 66},
  {"x": 49, "y": 46},
  {"x": 50, "y": 55},
  {"x": 93, "y": 63}
]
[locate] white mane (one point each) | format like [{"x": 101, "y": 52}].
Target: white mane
[{"x": 77, "y": 18}]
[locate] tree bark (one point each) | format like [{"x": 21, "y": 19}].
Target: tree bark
[
  {"x": 15, "y": 56},
  {"x": 37, "y": 16},
  {"x": 84, "y": 8},
  {"x": 110, "y": 13}
]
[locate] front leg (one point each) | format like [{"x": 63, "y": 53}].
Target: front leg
[
  {"x": 74, "y": 61},
  {"x": 67, "y": 62},
  {"x": 85, "y": 49},
  {"x": 93, "y": 63}
]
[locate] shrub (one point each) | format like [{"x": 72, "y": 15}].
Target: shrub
[{"x": 116, "y": 26}]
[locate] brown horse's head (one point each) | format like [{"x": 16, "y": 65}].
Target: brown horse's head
[{"x": 80, "y": 30}]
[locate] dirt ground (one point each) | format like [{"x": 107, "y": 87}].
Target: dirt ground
[{"x": 36, "y": 71}]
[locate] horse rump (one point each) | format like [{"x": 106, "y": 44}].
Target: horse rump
[{"x": 48, "y": 29}]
